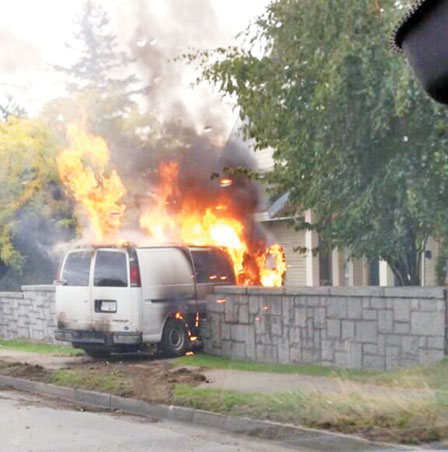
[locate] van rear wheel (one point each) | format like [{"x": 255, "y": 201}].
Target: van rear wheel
[{"x": 175, "y": 338}]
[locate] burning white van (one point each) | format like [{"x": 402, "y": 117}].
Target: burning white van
[{"x": 111, "y": 299}]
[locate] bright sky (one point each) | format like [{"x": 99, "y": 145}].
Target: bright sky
[{"x": 33, "y": 35}]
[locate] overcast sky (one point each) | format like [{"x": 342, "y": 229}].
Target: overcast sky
[{"x": 33, "y": 34}]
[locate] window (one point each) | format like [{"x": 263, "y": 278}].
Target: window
[
  {"x": 374, "y": 268},
  {"x": 77, "y": 268},
  {"x": 111, "y": 269},
  {"x": 213, "y": 266},
  {"x": 325, "y": 270}
]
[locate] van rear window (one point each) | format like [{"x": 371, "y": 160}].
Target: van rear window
[
  {"x": 111, "y": 269},
  {"x": 77, "y": 268}
]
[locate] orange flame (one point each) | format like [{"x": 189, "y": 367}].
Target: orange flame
[
  {"x": 197, "y": 225},
  {"x": 273, "y": 276},
  {"x": 82, "y": 169},
  {"x": 172, "y": 216}
]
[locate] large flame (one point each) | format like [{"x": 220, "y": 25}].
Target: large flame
[
  {"x": 82, "y": 168},
  {"x": 171, "y": 216},
  {"x": 272, "y": 276}
]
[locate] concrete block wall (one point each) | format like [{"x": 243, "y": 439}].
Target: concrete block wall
[
  {"x": 29, "y": 314},
  {"x": 369, "y": 328}
]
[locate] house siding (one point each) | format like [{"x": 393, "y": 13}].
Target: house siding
[{"x": 290, "y": 239}]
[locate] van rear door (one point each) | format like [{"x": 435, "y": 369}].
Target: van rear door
[
  {"x": 111, "y": 300},
  {"x": 73, "y": 291}
]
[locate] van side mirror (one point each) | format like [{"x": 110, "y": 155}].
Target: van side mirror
[{"x": 60, "y": 282}]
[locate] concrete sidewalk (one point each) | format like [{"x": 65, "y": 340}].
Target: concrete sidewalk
[{"x": 234, "y": 380}]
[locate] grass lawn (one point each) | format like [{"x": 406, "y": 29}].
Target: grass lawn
[
  {"x": 397, "y": 418},
  {"x": 419, "y": 377},
  {"x": 39, "y": 347},
  {"x": 108, "y": 383}
]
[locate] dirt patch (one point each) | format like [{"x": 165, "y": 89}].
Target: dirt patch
[
  {"x": 152, "y": 381},
  {"x": 155, "y": 381},
  {"x": 26, "y": 371}
]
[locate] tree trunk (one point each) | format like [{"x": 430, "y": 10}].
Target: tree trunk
[{"x": 407, "y": 268}]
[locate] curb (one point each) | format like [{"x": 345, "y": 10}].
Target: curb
[{"x": 292, "y": 434}]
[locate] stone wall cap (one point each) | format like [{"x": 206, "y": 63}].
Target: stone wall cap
[
  {"x": 358, "y": 291},
  {"x": 11, "y": 295},
  {"x": 318, "y": 291},
  {"x": 251, "y": 290},
  {"x": 39, "y": 288},
  {"x": 231, "y": 290},
  {"x": 415, "y": 292},
  {"x": 257, "y": 290}
]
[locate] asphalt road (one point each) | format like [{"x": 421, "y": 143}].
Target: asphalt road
[{"x": 30, "y": 423}]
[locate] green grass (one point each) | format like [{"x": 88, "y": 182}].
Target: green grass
[
  {"x": 406, "y": 416},
  {"x": 434, "y": 377},
  {"x": 108, "y": 383},
  {"x": 39, "y": 347},
  {"x": 390, "y": 417},
  {"x": 218, "y": 362}
]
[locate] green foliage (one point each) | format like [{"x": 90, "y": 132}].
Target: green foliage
[
  {"x": 355, "y": 138},
  {"x": 27, "y": 172}
]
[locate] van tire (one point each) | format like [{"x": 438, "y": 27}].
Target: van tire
[
  {"x": 174, "y": 338},
  {"x": 99, "y": 354}
]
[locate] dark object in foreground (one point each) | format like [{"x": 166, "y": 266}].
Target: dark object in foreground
[{"x": 423, "y": 37}]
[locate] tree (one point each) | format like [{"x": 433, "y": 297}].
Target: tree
[
  {"x": 105, "y": 93},
  {"x": 9, "y": 107},
  {"x": 32, "y": 212},
  {"x": 101, "y": 67},
  {"x": 101, "y": 83},
  {"x": 355, "y": 138}
]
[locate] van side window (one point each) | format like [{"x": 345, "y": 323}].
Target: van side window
[
  {"x": 212, "y": 266},
  {"x": 111, "y": 269},
  {"x": 225, "y": 268},
  {"x": 76, "y": 270},
  {"x": 201, "y": 265}
]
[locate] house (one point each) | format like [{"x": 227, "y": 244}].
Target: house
[{"x": 336, "y": 268}]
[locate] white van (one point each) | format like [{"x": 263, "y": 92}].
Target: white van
[{"x": 112, "y": 299}]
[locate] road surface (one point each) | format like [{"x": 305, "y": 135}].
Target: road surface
[{"x": 32, "y": 424}]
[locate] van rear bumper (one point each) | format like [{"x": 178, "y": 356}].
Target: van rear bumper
[{"x": 97, "y": 337}]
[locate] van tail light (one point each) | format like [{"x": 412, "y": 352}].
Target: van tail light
[
  {"x": 135, "y": 276},
  {"x": 134, "y": 270}
]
